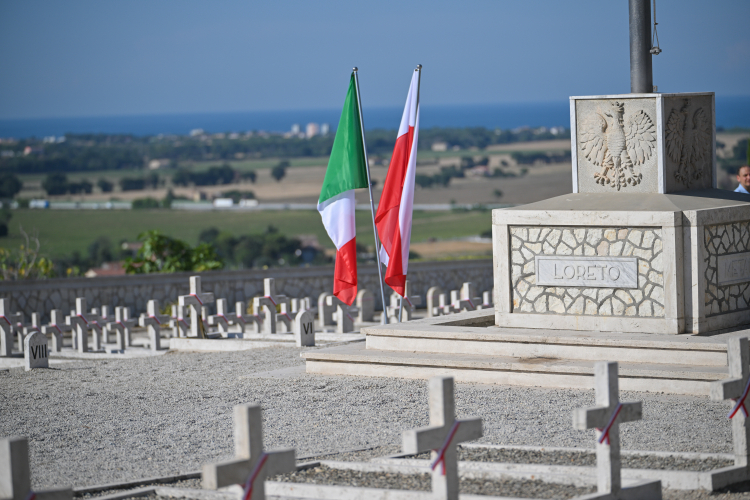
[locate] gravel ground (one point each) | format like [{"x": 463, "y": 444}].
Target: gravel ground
[
  {"x": 500, "y": 487},
  {"x": 95, "y": 422},
  {"x": 581, "y": 458}
]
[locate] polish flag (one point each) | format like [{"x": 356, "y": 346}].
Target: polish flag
[{"x": 394, "y": 215}]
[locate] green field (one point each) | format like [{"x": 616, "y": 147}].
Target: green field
[{"x": 63, "y": 231}]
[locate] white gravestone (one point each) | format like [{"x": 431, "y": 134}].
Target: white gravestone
[
  {"x": 243, "y": 319},
  {"x": 104, "y": 319},
  {"x": 267, "y": 305},
  {"x": 56, "y": 328},
  {"x": 178, "y": 323},
  {"x": 121, "y": 327},
  {"x": 122, "y": 317},
  {"x": 195, "y": 301},
  {"x": 19, "y": 323},
  {"x": 251, "y": 464},
  {"x": 6, "y": 329},
  {"x": 222, "y": 319},
  {"x": 15, "y": 474},
  {"x": 285, "y": 318},
  {"x": 446, "y": 306},
  {"x": 304, "y": 329},
  {"x": 433, "y": 296},
  {"x": 80, "y": 325},
  {"x": 153, "y": 321},
  {"x": 606, "y": 418},
  {"x": 442, "y": 437},
  {"x": 27, "y": 329},
  {"x": 344, "y": 320},
  {"x": 735, "y": 388},
  {"x": 325, "y": 312},
  {"x": 35, "y": 352},
  {"x": 365, "y": 306},
  {"x": 410, "y": 303},
  {"x": 97, "y": 328},
  {"x": 486, "y": 300}
]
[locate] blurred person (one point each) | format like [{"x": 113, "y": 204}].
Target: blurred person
[{"x": 743, "y": 178}]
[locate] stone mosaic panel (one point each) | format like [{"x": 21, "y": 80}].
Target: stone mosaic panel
[
  {"x": 643, "y": 243},
  {"x": 721, "y": 240}
]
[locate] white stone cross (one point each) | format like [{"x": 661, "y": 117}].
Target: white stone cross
[
  {"x": 80, "y": 326},
  {"x": 285, "y": 317},
  {"x": 606, "y": 418},
  {"x": 410, "y": 303},
  {"x": 35, "y": 351},
  {"x": 222, "y": 319},
  {"x": 486, "y": 301},
  {"x": 23, "y": 329},
  {"x": 56, "y": 328},
  {"x": 121, "y": 327},
  {"x": 325, "y": 312},
  {"x": 446, "y": 307},
  {"x": 243, "y": 319},
  {"x": 153, "y": 321},
  {"x": 365, "y": 306},
  {"x": 180, "y": 327},
  {"x": 251, "y": 464},
  {"x": 195, "y": 301},
  {"x": 267, "y": 305},
  {"x": 103, "y": 319},
  {"x": 344, "y": 320},
  {"x": 433, "y": 295},
  {"x": 15, "y": 473},
  {"x": 97, "y": 326},
  {"x": 736, "y": 388},
  {"x": 442, "y": 437},
  {"x": 6, "y": 329}
]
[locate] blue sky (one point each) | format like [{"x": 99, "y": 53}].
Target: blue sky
[{"x": 99, "y": 58}]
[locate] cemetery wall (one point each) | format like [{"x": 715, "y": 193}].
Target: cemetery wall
[{"x": 134, "y": 291}]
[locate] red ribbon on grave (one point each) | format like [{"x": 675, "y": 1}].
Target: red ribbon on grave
[
  {"x": 409, "y": 301},
  {"x": 441, "y": 454},
  {"x": 54, "y": 325},
  {"x": 31, "y": 495},
  {"x": 271, "y": 299},
  {"x": 83, "y": 318},
  {"x": 605, "y": 431},
  {"x": 740, "y": 403},
  {"x": 155, "y": 319},
  {"x": 197, "y": 298},
  {"x": 253, "y": 476},
  {"x": 6, "y": 320}
]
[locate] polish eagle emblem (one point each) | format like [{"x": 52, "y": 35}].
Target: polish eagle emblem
[
  {"x": 608, "y": 143},
  {"x": 689, "y": 143}
]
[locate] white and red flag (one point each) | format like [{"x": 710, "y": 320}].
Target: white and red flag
[{"x": 394, "y": 215}]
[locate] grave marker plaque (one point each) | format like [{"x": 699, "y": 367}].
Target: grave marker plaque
[{"x": 35, "y": 351}]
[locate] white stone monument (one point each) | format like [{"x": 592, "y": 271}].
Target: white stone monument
[
  {"x": 153, "y": 321},
  {"x": 365, "y": 302},
  {"x": 735, "y": 388},
  {"x": 344, "y": 320},
  {"x": 195, "y": 301},
  {"x": 15, "y": 474},
  {"x": 35, "y": 351},
  {"x": 606, "y": 418},
  {"x": 56, "y": 328},
  {"x": 251, "y": 464},
  {"x": 442, "y": 438},
  {"x": 267, "y": 305},
  {"x": 304, "y": 329},
  {"x": 222, "y": 319}
]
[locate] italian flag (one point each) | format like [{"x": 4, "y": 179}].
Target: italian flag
[
  {"x": 346, "y": 172},
  {"x": 394, "y": 215}
]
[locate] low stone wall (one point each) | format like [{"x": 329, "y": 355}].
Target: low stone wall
[{"x": 135, "y": 290}]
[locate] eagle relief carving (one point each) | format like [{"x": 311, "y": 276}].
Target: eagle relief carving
[
  {"x": 617, "y": 148},
  {"x": 689, "y": 143}
]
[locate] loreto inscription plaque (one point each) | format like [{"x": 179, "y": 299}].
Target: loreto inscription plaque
[
  {"x": 588, "y": 272},
  {"x": 734, "y": 268}
]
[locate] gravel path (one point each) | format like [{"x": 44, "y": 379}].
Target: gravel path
[{"x": 94, "y": 422}]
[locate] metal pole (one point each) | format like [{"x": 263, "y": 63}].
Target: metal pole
[
  {"x": 384, "y": 319},
  {"x": 419, "y": 83},
  {"x": 641, "y": 75}
]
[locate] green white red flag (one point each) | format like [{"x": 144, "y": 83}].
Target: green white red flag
[
  {"x": 394, "y": 215},
  {"x": 346, "y": 172}
]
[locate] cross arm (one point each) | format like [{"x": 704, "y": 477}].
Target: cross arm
[
  {"x": 598, "y": 416},
  {"x": 223, "y": 474},
  {"x": 280, "y": 462},
  {"x": 432, "y": 438},
  {"x": 727, "y": 389},
  {"x": 63, "y": 494}
]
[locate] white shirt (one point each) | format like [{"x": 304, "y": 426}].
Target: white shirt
[{"x": 741, "y": 189}]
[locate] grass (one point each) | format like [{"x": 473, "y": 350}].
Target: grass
[{"x": 63, "y": 231}]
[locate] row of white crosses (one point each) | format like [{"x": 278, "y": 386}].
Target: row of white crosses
[
  {"x": 461, "y": 300},
  {"x": 408, "y": 302}
]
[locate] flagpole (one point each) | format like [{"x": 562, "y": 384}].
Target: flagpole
[
  {"x": 384, "y": 319},
  {"x": 419, "y": 83}
]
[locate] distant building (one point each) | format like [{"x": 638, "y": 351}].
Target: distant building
[
  {"x": 324, "y": 129},
  {"x": 439, "y": 146},
  {"x": 295, "y": 129},
  {"x": 196, "y": 132},
  {"x": 159, "y": 163},
  {"x": 35, "y": 150},
  {"x": 107, "y": 269},
  {"x": 312, "y": 130}
]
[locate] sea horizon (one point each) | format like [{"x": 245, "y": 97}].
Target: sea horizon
[{"x": 731, "y": 112}]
